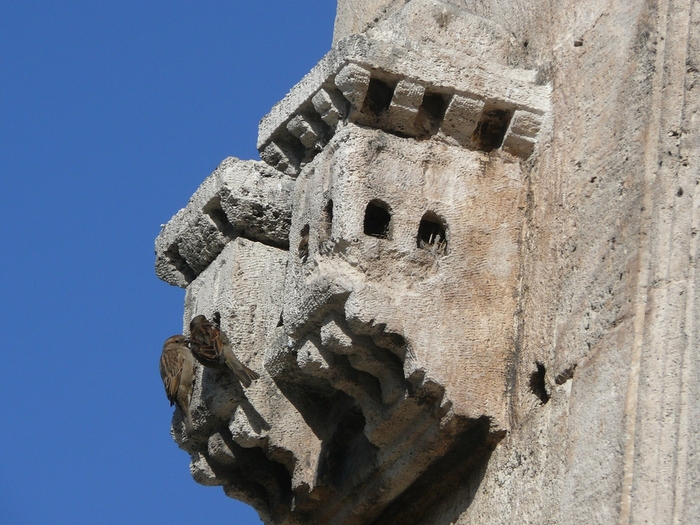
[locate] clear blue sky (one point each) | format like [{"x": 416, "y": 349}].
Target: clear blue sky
[{"x": 111, "y": 115}]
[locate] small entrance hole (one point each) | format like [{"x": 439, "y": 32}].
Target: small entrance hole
[
  {"x": 537, "y": 384},
  {"x": 434, "y": 105},
  {"x": 377, "y": 219},
  {"x": 378, "y": 99},
  {"x": 432, "y": 234},
  {"x": 491, "y": 129},
  {"x": 304, "y": 244}
]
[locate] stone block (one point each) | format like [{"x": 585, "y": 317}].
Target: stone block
[
  {"x": 281, "y": 157},
  {"x": 520, "y": 139},
  {"x": 330, "y": 105},
  {"x": 461, "y": 117},
  {"x": 353, "y": 81},
  {"x": 308, "y": 131},
  {"x": 404, "y": 105},
  {"x": 241, "y": 198}
]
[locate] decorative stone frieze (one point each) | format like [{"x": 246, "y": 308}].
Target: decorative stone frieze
[{"x": 409, "y": 92}]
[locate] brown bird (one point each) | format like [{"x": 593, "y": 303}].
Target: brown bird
[
  {"x": 177, "y": 372},
  {"x": 212, "y": 348}
]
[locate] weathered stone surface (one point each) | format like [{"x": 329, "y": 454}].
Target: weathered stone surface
[
  {"x": 478, "y": 202},
  {"x": 245, "y": 439},
  {"x": 353, "y": 82},
  {"x": 241, "y": 198},
  {"x": 487, "y": 312},
  {"x": 330, "y": 105},
  {"x": 405, "y": 84},
  {"x": 355, "y": 17},
  {"x": 462, "y": 118}
]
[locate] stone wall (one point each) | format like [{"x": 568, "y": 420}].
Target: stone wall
[{"x": 464, "y": 269}]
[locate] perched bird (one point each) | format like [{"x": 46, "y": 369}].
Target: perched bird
[
  {"x": 212, "y": 348},
  {"x": 177, "y": 372}
]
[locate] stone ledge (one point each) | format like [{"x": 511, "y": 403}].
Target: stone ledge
[{"x": 241, "y": 198}]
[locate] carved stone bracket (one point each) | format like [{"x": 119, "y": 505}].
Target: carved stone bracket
[{"x": 368, "y": 269}]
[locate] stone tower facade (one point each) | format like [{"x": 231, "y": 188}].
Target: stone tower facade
[{"x": 465, "y": 270}]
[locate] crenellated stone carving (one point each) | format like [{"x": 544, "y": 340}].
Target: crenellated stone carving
[{"x": 408, "y": 91}]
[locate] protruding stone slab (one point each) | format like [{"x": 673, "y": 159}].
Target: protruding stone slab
[
  {"x": 397, "y": 89},
  {"x": 353, "y": 81},
  {"x": 281, "y": 157},
  {"x": 405, "y": 103},
  {"x": 461, "y": 117},
  {"x": 330, "y": 105},
  {"x": 241, "y": 198},
  {"x": 308, "y": 131},
  {"x": 521, "y": 137}
]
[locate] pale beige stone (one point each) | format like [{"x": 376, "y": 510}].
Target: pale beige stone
[{"x": 481, "y": 306}]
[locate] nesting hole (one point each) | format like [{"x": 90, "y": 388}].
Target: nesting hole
[
  {"x": 491, "y": 129},
  {"x": 379, "y": 95},
  {"x": 377, "y": 219},
  {"x": 431, "y": 112},
  {"x": 537, "y": 383},
  {"x": 432, "y": 234},
  {"x": 304, "y": 244}
]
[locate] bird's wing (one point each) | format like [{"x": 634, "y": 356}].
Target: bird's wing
[
  {"x": 207, "y": 342},
  {"x": 170, "y": 370}
]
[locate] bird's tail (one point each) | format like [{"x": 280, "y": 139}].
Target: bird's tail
[
  {"x": 188, "y": 419},
  {"x": 244, "y": 374}
]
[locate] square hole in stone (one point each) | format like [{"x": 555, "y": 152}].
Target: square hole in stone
[
  {"x": 378, "y": 98},
  {"x": 377, "y": 219},
  {"x": 432, "y": 234},
  {"x": 492, "y": 127}
]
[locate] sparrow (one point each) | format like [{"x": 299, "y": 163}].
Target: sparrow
[
  {"x": 177, "y": 372},
  {"x": 212, "y": 348}
]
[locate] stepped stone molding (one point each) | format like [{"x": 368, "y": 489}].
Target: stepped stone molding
[{"x": 409, "y": 91}]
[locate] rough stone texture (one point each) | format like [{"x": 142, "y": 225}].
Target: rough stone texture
[
  {"x": 480, "y": 306},
  {"x": 378, "y": 82},
  {"x": 355, "y": 17},
  {"x": 241, "y": 198}
]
